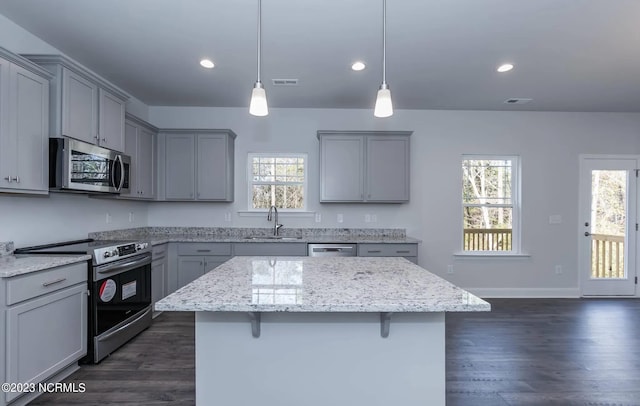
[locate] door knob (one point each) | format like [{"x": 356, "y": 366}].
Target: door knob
[
  {"x": 586, "y": 233},
  {"x": 586, "y": 224}
]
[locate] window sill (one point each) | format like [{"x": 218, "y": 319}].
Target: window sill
[
  {"x": 247, "y": 213},
  {"x": 490, "y": 254}
]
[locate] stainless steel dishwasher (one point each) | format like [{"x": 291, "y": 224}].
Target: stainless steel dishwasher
[{"x": 332, "y": 250}]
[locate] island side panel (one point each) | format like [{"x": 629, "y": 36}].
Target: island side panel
[{"x": 320, "y": 359}]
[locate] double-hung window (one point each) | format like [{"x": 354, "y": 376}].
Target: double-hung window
[
  {"x": 490, "y": 204},
  {"x": 277, "y": 180}
]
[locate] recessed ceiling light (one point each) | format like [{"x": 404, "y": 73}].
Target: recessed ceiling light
[
  {"x": 357, "y": 66},
  {"x": 505, "y": 68},
  {"x": 207, "y": 63}
]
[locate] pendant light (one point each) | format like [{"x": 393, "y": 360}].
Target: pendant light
[
  {"x": 258, "y": 105},
  {"x": 384, "y": 106}
]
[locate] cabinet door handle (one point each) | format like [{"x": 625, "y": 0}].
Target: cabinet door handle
[
  {"x": 8, "y": 179},
  {"x": 98, "y": 137},
  {"x": 104, "y": 140},
  {"x": 403, "y": 252},
  {"x": 201, "y": 263},
  {"x": 16, "y": 179},
  {"x": 373, "y": 251},
  {"x": 203, "y": 250},
  {"x": 369, "y": 196},
  {"x": 45, "y": 284}
]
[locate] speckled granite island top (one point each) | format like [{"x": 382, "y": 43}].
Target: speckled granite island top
[
  {"x": 315, "y": 284},
  {"x": 18, "y": 265}
]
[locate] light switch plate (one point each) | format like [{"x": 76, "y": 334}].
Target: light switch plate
[
  {"x": 555, "y": 219},
  {"x": 340, "y": 218}
]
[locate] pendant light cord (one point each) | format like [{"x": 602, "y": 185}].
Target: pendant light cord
[
  {"x": 384, "y": 41},
  {"x": 259, "y": 35}
]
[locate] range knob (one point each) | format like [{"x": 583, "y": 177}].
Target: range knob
[
  {"x": 106, "y": 254},
  {"x": 141, "y": 246}
]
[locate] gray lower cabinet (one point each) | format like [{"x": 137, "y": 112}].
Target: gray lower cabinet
[
  {"x": 364, "y": 166},
  {"x": 408, "y": 251},
  {"x": 24, "y": 126},
  {"x": 270, "y": 249},
  {"x": 45, "y": 314},
  {"x": 198, "y": 165},
  {"x": 159, "y": 274},
  {"x": 196, "y": 259}
]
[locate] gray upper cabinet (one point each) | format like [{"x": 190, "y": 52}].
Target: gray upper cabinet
[
  {"x": 179, "y": 169},
  {"x": 24, "y": 124},
  {"x": 83, "y": 105},
  {"x": 199, "y": 165},
  {"x": 387, "y": 174},
  {"x": 111, "y": 120},
  {"x": 364, "y": 166},
  {"x": 79, "y": 107},
  {"x": 139, "y": 145},
  {"x": 342, "y": 168}
]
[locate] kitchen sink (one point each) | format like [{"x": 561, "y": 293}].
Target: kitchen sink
[{"x": 272, "y": 237}]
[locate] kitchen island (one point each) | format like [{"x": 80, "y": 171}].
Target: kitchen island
[{"x": 320, "y": 331}]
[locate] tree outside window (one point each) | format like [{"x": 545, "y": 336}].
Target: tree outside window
[
  {"x": 277, "y": 180},
  {"x": 489, "y": 203}
]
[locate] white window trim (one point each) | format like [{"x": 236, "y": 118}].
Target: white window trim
[
  {"x": 252, "y": 155},
  {"x": 516, "y": 231}
]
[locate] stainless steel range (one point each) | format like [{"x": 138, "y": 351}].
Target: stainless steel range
[{"x": 119, "y": 290}]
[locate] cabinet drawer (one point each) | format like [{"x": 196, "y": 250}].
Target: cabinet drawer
[
  {"x": 387, "y": 250},
  {"x": 34, "y": 284},
  {"x": 159, "y": 252},
  {"x": 204, "y": 248}
]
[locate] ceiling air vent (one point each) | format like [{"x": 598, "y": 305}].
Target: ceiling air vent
[
  {"x": 285, "y": 82},
  {"x": 517, "y": 100}
]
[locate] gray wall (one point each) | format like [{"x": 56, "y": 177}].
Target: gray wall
[{"x": 549, "y": 145}]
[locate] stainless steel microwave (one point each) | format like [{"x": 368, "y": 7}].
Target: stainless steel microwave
[{"x": 77, "y": 166}]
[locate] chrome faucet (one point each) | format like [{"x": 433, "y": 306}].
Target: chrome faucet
[{"x": 276, "y": 226}]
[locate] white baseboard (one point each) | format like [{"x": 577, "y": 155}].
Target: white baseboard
[{"x": 547, "y": 293}]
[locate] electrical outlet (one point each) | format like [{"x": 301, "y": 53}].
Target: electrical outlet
[
  {"x": 227, "y": 216},
  {"x": 131, "y": 217},
  {"x": 367, "y": 218},
  {"x": 449, "y": 268},
  {"x": 374, "y": 218},
  {"x": 558, "y": 269},
  {"x": 340, "y": 218},
  {"x": 107, "y": 218},
  {"x": 318, "y": 217}
]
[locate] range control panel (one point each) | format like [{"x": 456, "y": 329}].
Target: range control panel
[{"x": 112, "y": 253}]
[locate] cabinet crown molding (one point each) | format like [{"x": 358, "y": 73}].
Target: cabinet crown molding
[
  {"x": 198, "y": 131},
  {"x": 24, "y": 63},
  {"x": 45, "y": 59},
  {"x": 137, "y": 120}
]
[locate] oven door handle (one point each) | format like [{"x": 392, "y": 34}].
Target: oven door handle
[
  {"x": 111, "y": 334},
  {"x": 124, "y": 267}
]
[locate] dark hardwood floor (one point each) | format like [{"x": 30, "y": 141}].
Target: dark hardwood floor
[{"x": 525, "y": 352}]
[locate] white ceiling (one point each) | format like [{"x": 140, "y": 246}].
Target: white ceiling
[{"x": 570, "y": 55}]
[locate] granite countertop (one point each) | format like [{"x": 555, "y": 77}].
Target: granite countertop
[
  {"x": 157, "y": 240},
  {"x": 321, "y": 284},
  {"x": 12, "y": 265},
  {"x": 162, "y": 235}
]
